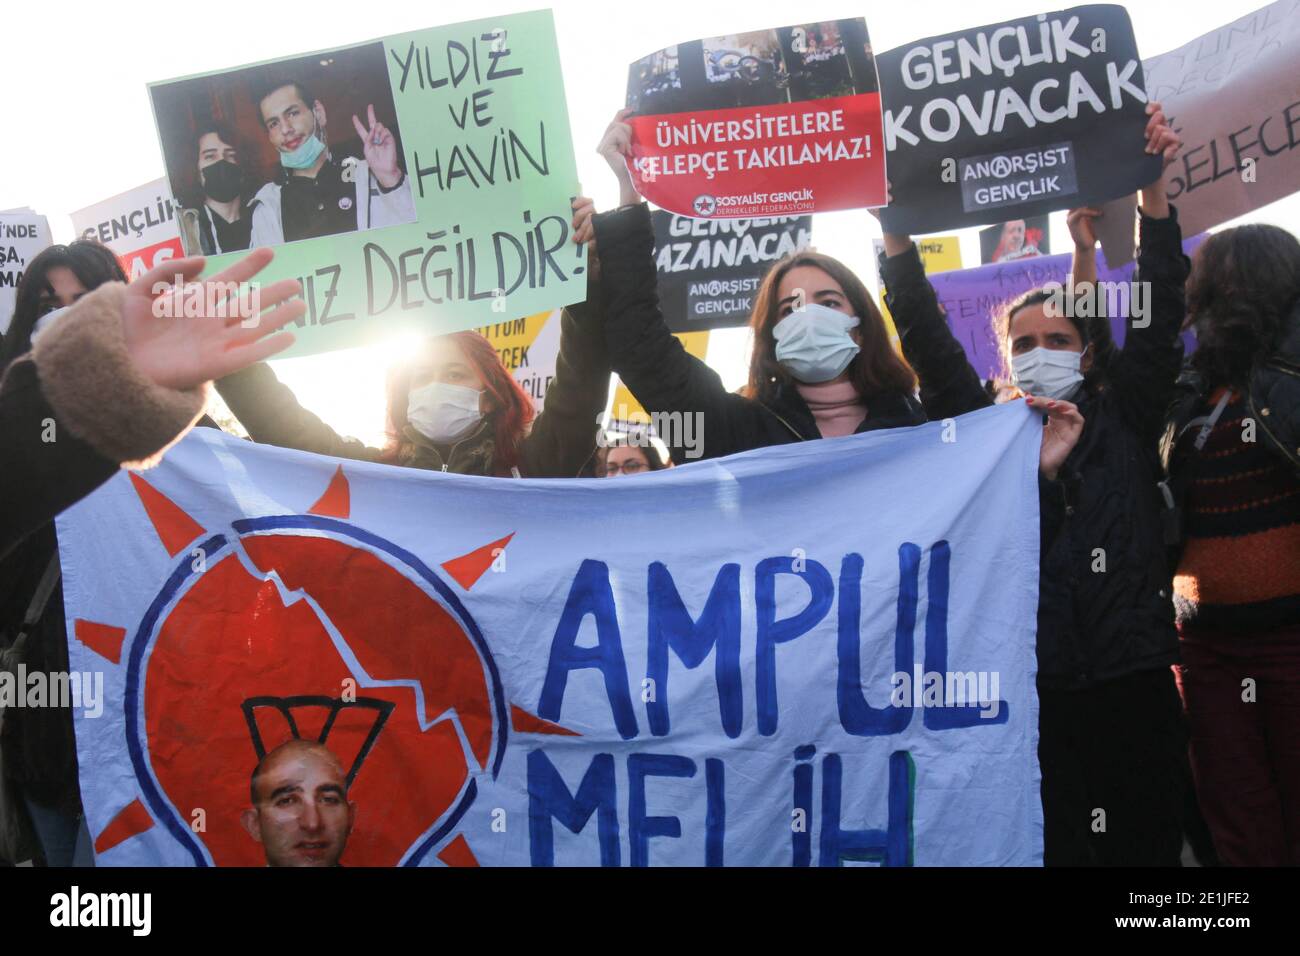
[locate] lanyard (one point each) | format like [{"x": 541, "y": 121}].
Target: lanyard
[{"x": 1204, "y": 434}]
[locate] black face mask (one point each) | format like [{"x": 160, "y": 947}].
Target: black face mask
[{"x": 222, "y": 180}]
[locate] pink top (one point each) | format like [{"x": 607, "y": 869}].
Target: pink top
[{"x": 837, "y": 407}]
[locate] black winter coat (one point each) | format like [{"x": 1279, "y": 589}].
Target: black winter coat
[
  {"x": 1273, "y": 397},
  {"x": 70, "y": 411},
  {"x": 667, "y": 379},
  {"x": 1105, "y": 509}
]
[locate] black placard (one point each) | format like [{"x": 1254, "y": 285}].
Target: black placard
[
  {"x": 1014, "y": 119},
  {"x": 710, "y": 269}
]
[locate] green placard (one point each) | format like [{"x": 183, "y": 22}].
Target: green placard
[{"x": 478, "y": 116}]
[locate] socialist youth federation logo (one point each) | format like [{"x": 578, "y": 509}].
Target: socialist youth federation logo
[
  {"x": 305, "y": 626},
  {"x": 705, "y": 205}
]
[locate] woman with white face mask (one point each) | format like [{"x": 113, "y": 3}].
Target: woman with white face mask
[
  {"x": 454, "y": 407},
  {"x": 822, "y": 365},
  {"x": 1111, "y": 731}
]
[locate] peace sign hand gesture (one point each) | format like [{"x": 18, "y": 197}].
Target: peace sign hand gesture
[{"x": 380, "y": 149}]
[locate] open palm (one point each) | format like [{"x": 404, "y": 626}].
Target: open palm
[{"x": 180, "y": 333}]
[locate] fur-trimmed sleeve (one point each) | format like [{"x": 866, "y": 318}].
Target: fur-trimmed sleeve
[{"x": 96, "y": 391}]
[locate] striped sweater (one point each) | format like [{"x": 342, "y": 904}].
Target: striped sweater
[{"x": 1240, "y": 569}]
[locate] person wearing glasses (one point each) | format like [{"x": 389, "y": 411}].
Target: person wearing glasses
[{"x": 618, "y": 456}]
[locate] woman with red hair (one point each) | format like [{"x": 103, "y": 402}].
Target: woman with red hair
[{"x": 454, "y": 407}]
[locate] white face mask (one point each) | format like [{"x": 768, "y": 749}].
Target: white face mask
[
  {"x": 45, "y": 321},
  {"x": 1047, "y": 373},
  {"x": 443, "y": 413},
  {"x": 813, "y": 343}
]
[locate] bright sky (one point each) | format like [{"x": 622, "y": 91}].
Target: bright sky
[{"x": 80, "y": 129}]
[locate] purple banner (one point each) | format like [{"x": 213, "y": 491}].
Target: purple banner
[{"x": 972, "y": 296}]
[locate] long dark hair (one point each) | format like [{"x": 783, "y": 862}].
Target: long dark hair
[
  {"x": 1244, "y": 283},
  {"x": 510, "y": 420},
  {"x": 92, "y": 263},
  {"x": 876, "y": 368}
]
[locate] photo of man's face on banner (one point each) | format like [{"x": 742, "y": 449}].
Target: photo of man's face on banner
[
  {"x": 296, "y": 149},
  {"x": 1014, "y": 239}
]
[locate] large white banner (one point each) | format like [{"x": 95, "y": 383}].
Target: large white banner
[
  {"x": 1233, "y": 95},
  {"x": 23, "y": 234},
  {"x": 814, "y": 654},
  {"x": 141, "y": 226}
]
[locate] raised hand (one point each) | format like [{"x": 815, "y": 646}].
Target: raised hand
[
  {"x": 1061, "y": 432},
  {"x": 380, "y": 149},
  {"x": 1164, "y": 142},
  {"x": 583, "y": 211},
  {"x": 583, "y": 231},
  {"x": 616, "y": 148},
  {"x": 1161, "y": 138},
  {"x": 895, "y": 243},
  {"x": 182, "y": 335},
  {"x": 1082, "y": 228}
]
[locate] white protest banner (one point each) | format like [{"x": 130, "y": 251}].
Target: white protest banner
[
  {"x": 139, "y": 225},
  {"x": 1233, "y": 95},
  {"x": 23, "y": 234},
  {"x": 493, "y": 677}
]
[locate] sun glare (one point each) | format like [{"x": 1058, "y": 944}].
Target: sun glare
[{"x": 346, "y": 389}]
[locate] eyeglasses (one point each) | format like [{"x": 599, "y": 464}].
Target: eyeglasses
[{"x": 627, "y": 468}]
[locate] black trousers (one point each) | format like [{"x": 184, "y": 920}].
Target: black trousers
[{"x": 1115, "y": 772}]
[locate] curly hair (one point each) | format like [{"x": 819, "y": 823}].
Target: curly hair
[{"x": 1244, "y": 283}]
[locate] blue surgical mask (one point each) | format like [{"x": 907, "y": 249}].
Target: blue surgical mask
[
  {"x": 1047, "y": 373},
  {"x": 443, "y": 413},
  {"x": 813, "y": 343},
  {"x": 305, "y": 155}
]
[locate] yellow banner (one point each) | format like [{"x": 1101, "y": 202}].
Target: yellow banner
[{"x": 938, "y": 254}]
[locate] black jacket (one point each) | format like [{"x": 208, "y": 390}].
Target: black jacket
[
  {"x": 1272, "y": 395},
  {"x": 668, "y": 380},
  {"x": 70, "y": 411},
  {"x": 38, "y": 479},
  {"x": 1105, "y": 509}
]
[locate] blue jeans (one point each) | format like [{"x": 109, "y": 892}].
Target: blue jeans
[{"x": 65, "y": 840}]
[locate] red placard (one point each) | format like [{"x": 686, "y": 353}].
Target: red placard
[
  {"x": 139, "y": 261},
  {"x": 777, "y": 160}
]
